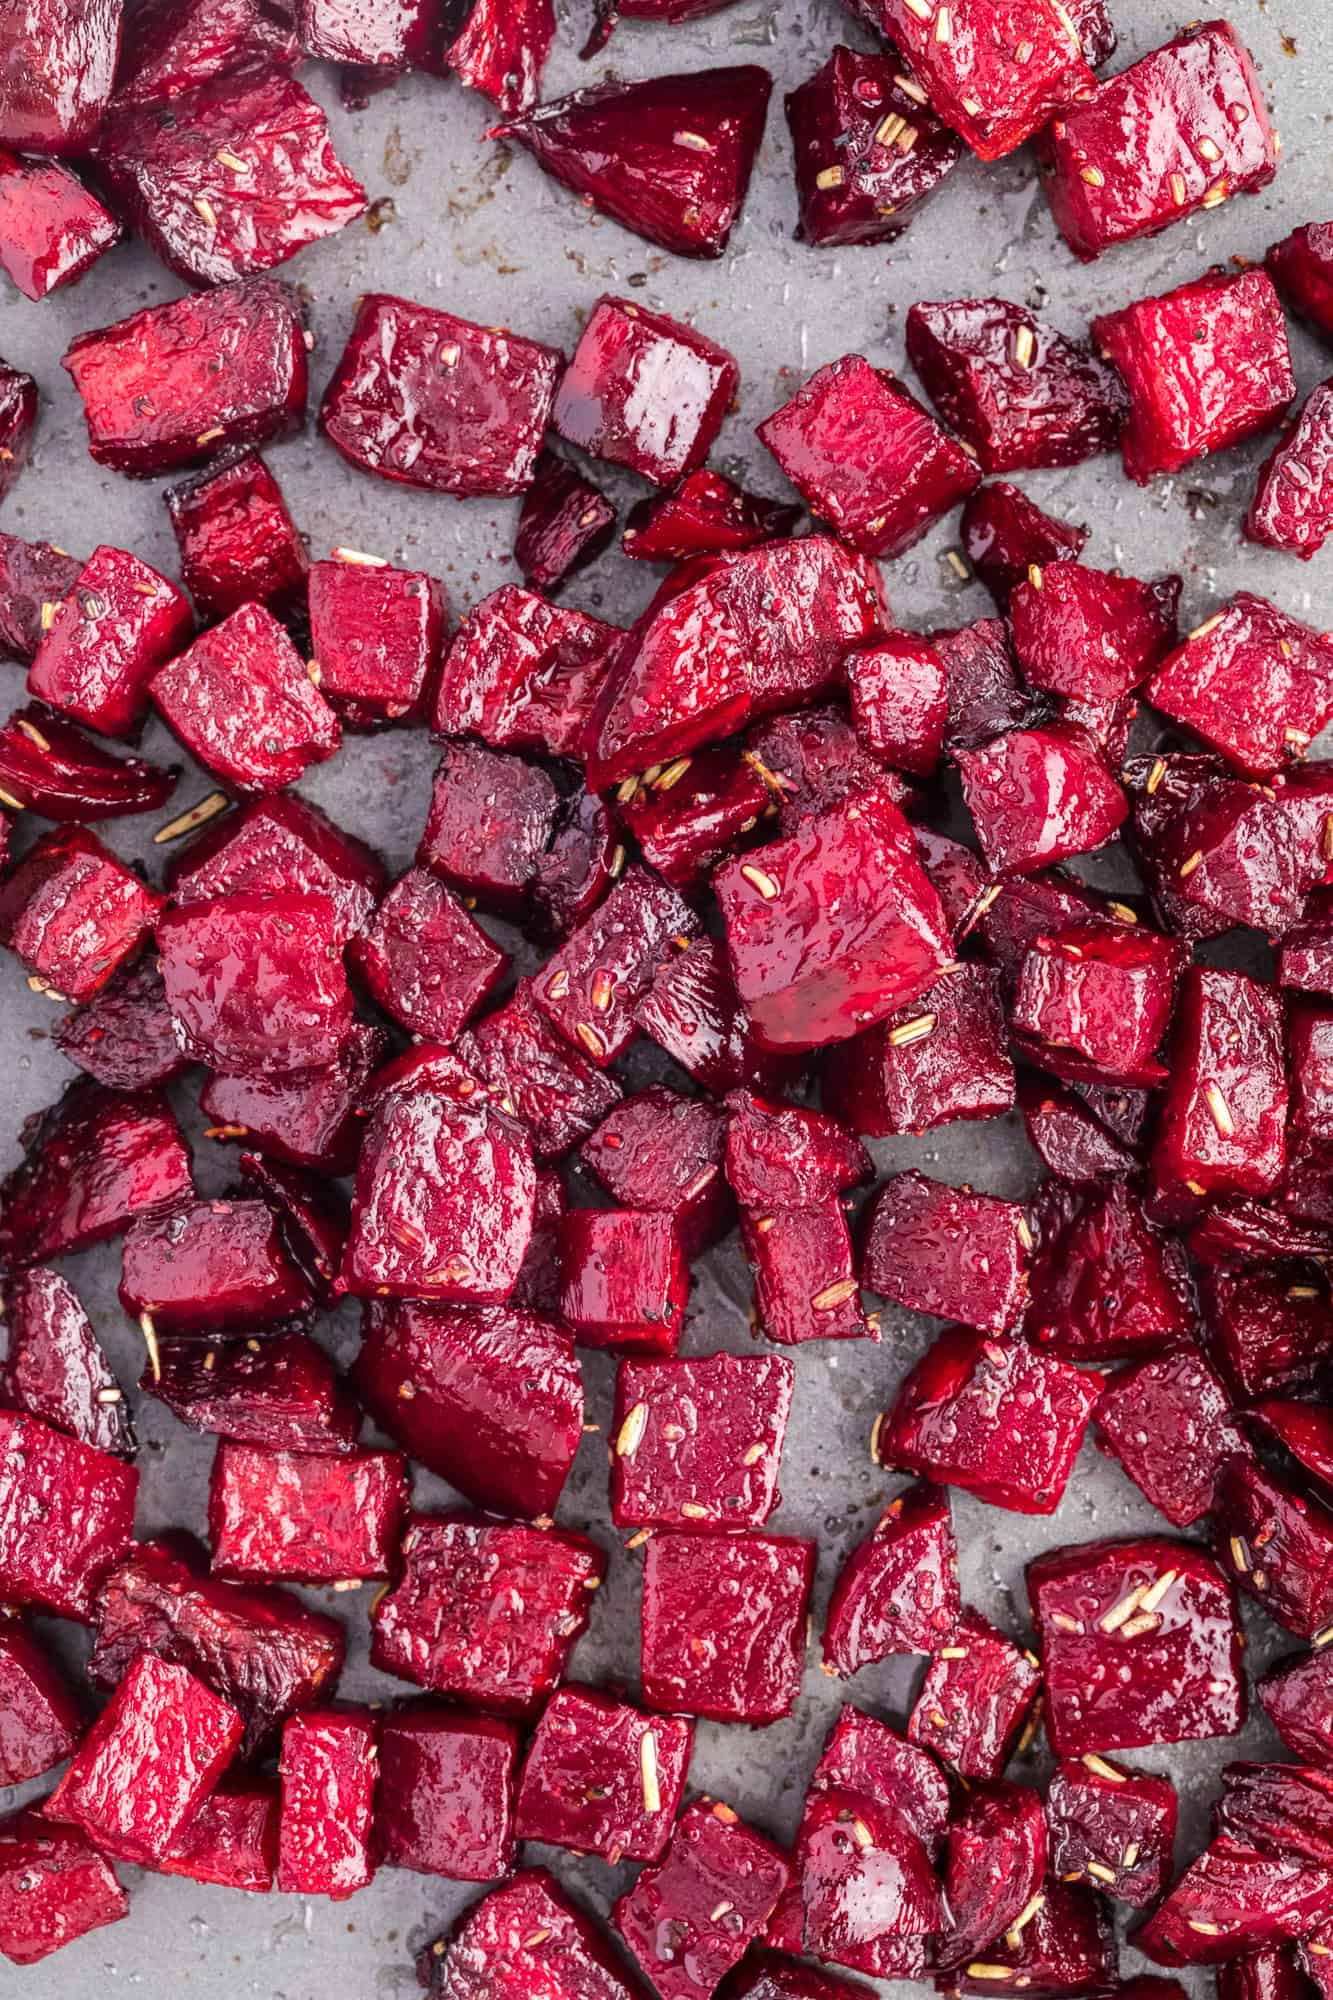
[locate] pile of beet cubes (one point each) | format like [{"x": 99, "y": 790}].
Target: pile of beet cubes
[{"x": 725, "y": 829}]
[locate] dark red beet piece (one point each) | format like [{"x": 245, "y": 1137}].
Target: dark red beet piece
[
  {"x": 32, "y": 575},
  {"x": 974, "y": 1699},
  {"x": 283, "y": 1394},
  {"x": 311, "y": 1217},
  {"x": 54, "y": 1368},
  {"x": 232, "y": 1840},
  {"x": 426, "y": 962},
  {"x": 590, "y": 987},
  {"x": 1292, "y": 508},
  {"x": 54, "y": 1888},
  {"x": 243, "y": 702},
  {"x": 327, "y": 1823},
  {"x": 697, "y": 1443},
  {"x": 985, "y": 690},
  {"x": 491, "y": 1400},
  {"x": 1068, "y": 1947},
  {"x": 1070, "y": 1139},
  {"x": 73, "y": 913},
  {"x": 602, "y": 1777},
  {"x": 805, "y": 1274},
  {"x": 1251, "y": 680},
  {"x": 1277, "y": 1542},
  {"x": 661, "y": 1151},
  {"x": 899, "y": 692},
  {"x": 898, "y": 1590},
  {"x": 948, "y": 1251},
  {"x": 724, "y": 1624},
  {"x": 524, "y": 674},
  {"x": 305, "y": 1516},
  {"x": 40, "y": 1720},
  {"x": 488, "y": 1611},
  {"x": 262, "y": 1651},
  {"x": 578, "y": 868},
  {"x": 94, "y": 1161},
  {"x": 1182, "y": 129},
  {"x": 1038, "y": 796},
  {"x": 444, "y": 1804},
  {"x": 1233, "y": 1900},
  {"x": 1113, "y": 1829},
  {"x": 862, "y": 1754},
  {"x": 1297, "y": 1696},
  {"x": 1140, "y": 1645},
  {"x": 1225, "y": 1103},
  {"x": 402, "y": 35},
  {"x": 238, "y": 543},
  {"x": 1094, "y": 1001},
  {"x": 171, "y": 44},
  {"x": 565, "y": 524},
  {"x": 868, "y": 149},
  {"x": 1231, "y": 853},
  {"x": 53, "y": 769},
  {"x": 997, "y": 71},
  {"x": 864, "y": 454},
  {"x": 644, "y": 391},
  {"x": 866, "y": 1882},
  {"x": 257, "y": 984},
  {"x": 307, "y": 1121},
  {"x": 1004, "y": 534},
  {"x": 430, "y": 400},
  {"x": 693, "y": 1011},
  {"x": 52, "y": 228},
  {"x": 502, "y": 50},
  {"x": 276, "y": 847},
  {"x": 175, "y": 385},
  {"x": 1270, "y": 1328},
  {"x": 696, "y": 812},
  {"x": 1303, "y": 1429},
  {"x": 491, "y": 818},
  {"x": 527, "y": 1931},
  {"x": 1269, "y": 1974},
  {"x": 781, "y": 1156},
  {"x": 120, "y": 623},
  {"x": 57, "y": 68},
  {"x": 148, "y": 1762},
  {"x": 1089, "y": 633},
  {"x": 705, "y": 515},
  {"x": 1301, "y": 266},
  {"x": 624, "y": 1279},
  {"x": 556, "y": 1094},
  {"x": 995, "y": 1865},
  {"x": 993, "y": 1417},
  {"x": 1206, "y": 366},
  {"x": 18, "y": 419},
  {"x": 766, "y": 1976},
  {"x": 830, "y": 599},
  {"x": 376, "y": 633},
  {"x": 670, "y": 1917},
  {"x": 1167, "y": 1419},
  {"x": 1278, "y": 1809},
  {"x": 943, "y": 1057}
]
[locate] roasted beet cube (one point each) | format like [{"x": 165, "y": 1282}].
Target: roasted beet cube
[
  {"x": 661, "y": 1151},
  {"x": 308, "y": 1121},
  {"x": 1004, "y": 534},
  {"x": 697, "y": 1444},
  {"x": 524, "y": 674},
  {"x": 690, "y": 1918},
  {"x": 693, "y": 1011},
  {"x": 1301, "y": 267},
  {"x": 864, "y": 454},
  {"x": 244, "y": 703},
  {"x": 152, "y": 1756},
  {"x": 696, "y": 812},
  {"x": 32, "y": 575},
  {"x": 578, "y": 868},
  {"x": 1070, "y": 1138},
  {"x": 73, "y": 913},
  {"x": 457, "y": 408},
  {"x": 55, "y": 1887},
  {"x": 619, "y": 146},
  {"x": 1232, "y": 1900},
  {"x": 57, "y": 68},
  {"x": 1020, "y": 393},
  {"x": 256, "y": 983},
  {"x": 238, "y": 543},
  {"x": 1093, "y": 1002},
  {"x": 993, "y": 69},
  {"x": 66, "y": 1513},
  {"x": 590, "y": 987},
  {"x": 624, "y": 1279},
  {"x": 52, "y": 228},
  {"x": 1089, "y": 633},
  {"x": 830, "y": 600},
  {"x": 706, "y": 515},
  {"x": 781, "y": 1156},
  {"x": 866, "y": 1883},
  {"x": 943, "y": 1057},
  {"x": 491, "y": 818},
  {"x": 54, "y": 1368},
  {"x": 232, "y": 1840},
  {"x": 948, "y": 1251},
  {"x": 1066, "y": 1947},
  {"x": 565, "y": 524},
  {"x": 804, "y": 981},
  {"x": 502, "y": 50},
  {"x": 93, "y": 1162},
  {"x": 326, "y": 1831},
  {"x": 1292, "y": 508},
  {"x": 305, "y": 1516},
  {"x": 1113, "y": 1829},
  {"x": 1206, "y": 366},
  {"x": 900, "y": 700},
  {"x": 898, "y": 1590},
  {"x": 556, "y": 1094},
  {"x": 425, "y": 960},
  {"x": 1277, "y": 1543},
  {"x": 724, "y": 1624},
  {"x": 174, "y": 385},
  {"x": 766, "y": 1976},
  {"x": 1270, "y": 1328},
  {"x": 1140, "y": 1645},
  {"x": 1225, "y": 1104},
  {"x": 602, "y": 1777},
  {"x": 1180, "y": 130},
  {"x": 445, "y": 1800},
  {"x": 101, "y": 647},
  {"x": 1105, "y": 1282},
  {"x": 491, "y": 1400},
  {"x": 868, "y": 149},
  {"x": 210, "y": 1267},
  {"x": 40, "y": 1720},
  {"x": 1037, "y": 796},
  {"x": 171, "y": 44},
  {"x": 1253, "y": 681},
  {"x": 994, "y": 1868},
  {"x": 283, "y": 1393},
  {"x": 277, "y": 847},
  {"x": 644, "y": 391},
  {"x": 263, "y": 1652},
  {"x": 528, "y": 1935},
  {"x": 1297, "y": 1696},
  {"x": 985, "y": 689},
  {"x": 862, "y": 1754},
  {"x": 1228, "y": 853},
  {"x": 376, "y": 633},
  {"x": 487, "y": 1611},
  {"x": 974, "y": 1699},
  {"x": 805, "y": 1274}
]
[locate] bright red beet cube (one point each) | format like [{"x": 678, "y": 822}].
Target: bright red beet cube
[
  {"x": 73, "y": 913},
  {"x": 644, "y": 391},
  {"x": 1301, "y": 266},
  {"x": 1225, "y": 1104},
  {"x": 898, "y": 1590},
  {"x": 1038, "y": 796},
  {"x": 94, "y": 1161},
  {"x": 942, "y": 1057},
  {"x": 602, "y": 1777},
  {"x": 305, "y": 1516},
  {"x": 1094, "y": 1002},
  {"x": 1105, "y": 1282},
  {"x": 275, "y": 847},
  {"x": 1297, "y": 1696},
  {"x": 425, "y": 960},
  {"x": 40, "y": 1720},
  {"x": 445, "y": 1800},
  {"x": 724, "y": 1624},
  {"x": 57, "y": 69},
  {"x": 670, "y": 1917},
  {"x": 526, "y": 1931},
  {"x": 706, "y": 515},
  {"x": 1268, "y": 1327},
  {"x": 306, "y": 1121},
  {"x": 711, "y": 804},
  {"x": 533, "y": 1073},
  {"x": 948, "y": 1251},
  {"x": 590, "y": 987},
  {"x": 975, "y": 1698},
  {"x": 624, "y": 1279},
  {"x": 55, "y": 1887},
  {"x": 101, "y": 647},
  {"x": 693, "y": 1011},
  {"x": 211, "y": 1266},
  {"x": 232, "y": 1841},
  {"x": 66, "y": 1515},
  {"x": 327, "y": 1825},
  {"x": 491, "y": 819},
  {"x": 523, "y": 674},
  {"x": 900, "y": 700},
  {"x": 994, "y": 1868},
  {"x": 52, "y": 228},
  {"x": 243, "y": 702},
  {"x": 867, "y": 1884},
  {"x": 377, "y": 633},
  {"x": 1088, "y": 633},
  {"x": 698, "y": 1443},
  {"x": 1292, "y": 508},
  {"x": 782, "y": 1156},
  {"x": 804, "y": 1266},
  {"x": 256, "y": 983},
  {"x": 662, "y": 1151},
  {"x": 283, "y": 1393},
  {"x": 868, "y": 148},
  {"x": 1252, "y": 680},
  {"x": 1113, "y": 1829},
  {"x": 238, "y": 543},
  {"x": 996, "y": 70},
  {"x": 1234, "y": 1900},
  {"x": 565, "y": 524}
]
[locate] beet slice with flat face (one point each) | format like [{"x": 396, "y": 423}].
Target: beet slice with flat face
[
  {"x": 898, "y": 1590},
  {"x": 1140, "y": 1645},
  {"x": 724, "y": 1624},
  {"x": 256, "y": 983},
  {"x": 308, "y": 1121},
  {"x": 523, "y": 674},
  {"x": 974, "y": 1699},
  {"x": 1004, "y": 533},
  {"x": 52, "y": 228},
  {"x": 869, "y": 149},
  {"x": 1269, "y": 1328},
  {"x": 1168, "y": 1420},
  {"x": 238, "y": 543},
  {"x": 93, "y": 1161},
  {"x": 1301, "y": 266},
  {"x": 862, "y": 1754},
  {"x": 1105, "y": 1282},
  {"x": 565, "y": 524},
  {"x": 72, "y": 913},
  {"x": 900, "y": 702},
  {"x": 532, "y": 1072},
  {"x": 624, "y": 1279},
  {"x": 1292, "y": 508},
  {"x": 502, "y": 51},
  {"x": 943, "y": 1057},
  {"x": 994, "y": 1867},
  {"x": 376, "y": 633},
  {"x": 171, "y": 44},
  {"x": 243, "y": 702},
  {"x": 275, "y": 847},
  {"x": 999, "y": 69},
  {"x": 527, "y": 1931},
  {"x": 670, "y": 1919},
  {"x": 401, "y": 35},
  {"x": 620, "y": 146},
  {"x": 697, "y": 1443},
  {"x": 804, "y": 1267},
  {"x": 444, "y": 1802},
  {"x": 866, "y": 1881},
  {"x": 782, "y": 1156},
  {"x": 490, "y": 1399},
  {"x": 1225, "y": 1103},
  {"x": 424, "y": 959},
  {"x": 1233, "y": 1899},
  {"x": 1038, "y": 796},
  {"x": 706, "y": 515},
  {"x": 992, "y": 1416},
  {"x": 1297, "y": 1696},
  {"x": 602, "y": 1777},
  {"x": 304, "y": 1517},
  {"x": 40, "y": 1719},
  {"x": 119, "y": 624},
  {"x": 1278, "y": 1544},
  {"x": 948, "y": 1251},
  {"x": 327, "y": 1821},
  {"x": 232, "y": 1840},
  {"x": 491, "y": 819},
  {"x": 662, "y": 1151},
  {"x": 487, "y": 1611},
  {"x": 283, "y": 1394},
  {"x": 1253, "y": 681},
  {"x": 54, "y": 1888},
  {"x": 1111, "y": 1828},
  {"x": 54, "y": 1368},
  {"x": 644, "y": 391},
  {"x": 1305, "y": 1430},
  {"x": 57, "y": 69}
]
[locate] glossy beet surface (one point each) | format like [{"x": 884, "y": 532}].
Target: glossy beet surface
[
  {"x": 238, "y": 543},
  {"x": 326, "y": 1825},
  {"x": 868, "y": 149},
  {"x": 724, "y": 1624},
  {"x": 669, "y": 1918},
  {"x": 698, "y": 1443},
  {"x": 602, "y": 1777},
  {"x": 898, "y": 1590},
  {"x": 52, "y": 228},
  {"x": 55, "y": 1887},
  {"x": 644, "y": 391},
  {"x": 54, "y": 1368},
  {"x": 57, "y": 70},
  {"x": 979, "y": 79},
  {"x": 444, "y": 1803},
  {"x": 527, "y": 1931}
]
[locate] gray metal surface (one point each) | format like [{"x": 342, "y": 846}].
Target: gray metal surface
[{"x": 490, "y": 238}]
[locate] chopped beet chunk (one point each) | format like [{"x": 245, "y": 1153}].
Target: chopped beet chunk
[
  {"x": 529, "y": 1936},
  {"x": 54, "y": 1368},
  {"x": 283, "y": 1394},
  {"x": 376, "y": 633},
  {"x": 1234, "y": 1899},
  {"x": 72, "y": 913},
  {"x": 942, "y": 1057},
  {"x": 869, "y": 149},
  {"x": 590, "y": 987},
  {"x": 624, "y": 1280},
  {"x": 565, "y": 524},
  {"x": 706, "y": 515},
  {"x": 57, "y": 69},
  {"x": 804, "y": 1268},
  {"x": 1167, "y": 1419},
  {"x": 94, "y": 1161},
  {"x": 40, "y": 1719},
  {"x": 54, "y": 1888},
  {"x": 327, "y": 1824},
  {"x": 304, "y": 1516},
  {"x": 997, "y": 70},
  {"x": 995, "y": 1864},
  {"x": 1301, "y": 266},
  {"x": 238, "y": 543},
  {"x": 276, "y": 847},
  {"x": 1225, "y": 1104},
  {"x": 523, "y": 674},
  {"x": 689, "y": 1918},
  {"x": 445, "y": 1803},
  {"x": 948, "y": 1251},
  {"x": 1277, "y": 1542},
  {"x": 644, "y": 391},
  {"x": 974, "y": 1699},
  {"x": 52, "y": 228},
  {"x": 1251, "y": 680},
  {"x": 602, "y": 1777},
  {"x": 243, "y": 702},
  {"x": 697, "y": 1444},
  {"x": 724, "y": 1624},
  {"x": 256, "y": 983},
  {"x": 66, "y": 1512},
  {"x": 1004, "y": 534},
  {"x": 898, "y": 1590},
  {"x": 1038, "y": 796},
  {"x": 1113, "y": 1829},
  {"x": 100, "y": 648}
]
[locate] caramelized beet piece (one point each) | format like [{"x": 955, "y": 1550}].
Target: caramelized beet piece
[
  {"x": 1225, "y": 1103},
  {"x": 670, "y": 1917},
  {"x": 1278, "y": 1544},
  {"x": 942, "y": 1057},
  {"x": 999, "y": 69},
  {"x": 898, "y": 1590},
  {"x": 602, "y": 1777},
  {"x": 993, "y": 1417},
  {"x": 1038, "y": 796},
  {"x": 779, "y": 1155},
  {"x": 491, "y": 818},
  {"x": 426, "y": 962},
  {"x": 147, "y": 1763},
  {"x": 263, "y": 1652},
  {"x": 376, "y": 633},
  {"x": 661, "y": 1151},
  {"x": 40, "y": 1720},
  {"x": 175, "y": 385},
  {"x": 1182, "y": 129},
  {"x": 327, "y": 1821},
  {"x": 54, "y": 1888},
  {"x": 52, "y": 228},
  {"x": 171, "y": 44},
  {"x": 578, "y": 867},
  {"x": 705, "y": 515},
  {"x": 445, "y": 1799},
  {"x": 278, "y": 847},
  {"x": 1004, "y": 534},
  {"x": 1251, "y": 680},
  {"x": 1070, "y": 1139},
  {"x": 54, "y": 1368},
  {"x": 1089, "y": 633},
  {"x": 693, "y": 1011},
  {"x": 1269, "y": 1974},
  {"x": 1271, "y": 1329},
  {"x": 866, "y": 1882},
  {"x": 524, "y": 674},
  {"x": 1094, "y": 1002},
  {"x": 724, "y": 1624},
  {"x": 57, "y": 68},
  {"x": 529, "y": 1935},
  {"x": 1105, "y": 1283},
  {"x": 556, "y": 1094},
  {"x": 1297, "y": 1696},
  {"x": 238, "y": 543},
  {"x": 565, "y": 524},
  {"x": 53, "y": 769},
  {"x": 948, "y": 1251},
  {"x": 32, "y": 575},
  {"x": 283, "y": 1394},
  {"x": 995, "y": 1865},
  {"x": 502, "y": 51},
  {"x": 1301, "y": 266},
  {"x": 211, "y": 1267},
  {"x": 986, "y": 694},
  {"x": 1140, "y": 1645},
  {"x": 94, "y": 1161},
  {"x": 1112, "y": 1828},
  {"x": 899, "y": 692},
  {"x": 304, "y": 1516},
  {"x": 487, "y": 1611},
  {"x": 868, "y": 149},
  {"x": 974, "y": 1698},
  {"x": 307, "y": 1121},
  {"x": 1168, "y": 1421},
  {"x": 1206, "y": 366},
  {"x": 644, "y": 391},
  {"x": 1233, "y": 1900},
  {"x": 491, "y": 1400},
  {"x": 232, "y": 1840},
  {"x": 1292, "y": 508},
  {"x": 242, "y": 701},
  {"x": 102, "y": 646},
  {"x": 1303, "y": 1429},
  {"x": 864, "y": 454},
  {"x": 805, "y": 1274},
  {"x": 624, "y": 1279},
  {"x": 708, "y": 807},
  {"x": 73, "y": 913},
  {"x": 697, "y": 1443},
  {"x": 829, "y": 599},
  {"x": 429, "y": 400},
  {"x": 590, "y": 987},
  {"x": 862, "y": 1754},
  {"x": 1277, "y": 1809},
  {"x": 256, "y": 983},
  {"x": 1068, "y": 1947}
]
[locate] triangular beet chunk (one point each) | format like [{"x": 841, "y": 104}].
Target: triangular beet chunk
[{"x": 669, "y": 158}]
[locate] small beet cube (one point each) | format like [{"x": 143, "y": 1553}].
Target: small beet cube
[
  {"x": 73, "y": 913},
  {"x": 1277, "y": 1543},
  {"x": 502, "y": 50},
  {"x": 565, "y": 524},
  {"x": 986, "y": 694},
  {"x": 602, "y": 1777},
  {"x": 283, "y": 1393},
  {"x": 174, "y": 385},
  {"x": 705, "y": 809},
  {"x": 256, "y": 983},
  {"x": 589, "y": 989},
  {"x": 1004, "y": 534},
  {"x": 523, "y": 674},
  {"x": 781, "y": 1156},
  {"x": 487, "y": 1611},
  {"x": 52, "y": 228},
  {"x": 698, "y": 1443},
  {"x": 724, "y": 1624},
  {"x": 1089, "y": 633},
  {"x": 152, "y": 1756},
  {"x": 212, "y": 1267},
  {"x": 994, "y": 1868},
  {"x": 54, "y": 1368},
  {"x": 1094, "y": 1002},
  {"x": 900, "y": 700},
  {"x": 948, "y": 1251},
  {"x": 102, "y": 646},
  {"x": 425, "y": 960},
  {"x": 1140, "y": 1645},
  {"x": 526, "y": 1935},
  {"x": 1038, "y": 796},
  {"x": 455, "y": 408},
  {"x": 1105, "y": 1282},
  {"x": 1206, "y": 366},
  {"x": 942, "y": 1057},
  {"x": 830, "y": 599},
  {"x": 1229, "y": 853},
  {"x": 54, "y": 1888},
  {"x": 898, "y": 1590},
  {"x": 66, "y": 1514},
  {"x": 57, "y": 69},
  {"x": 706, "y": 515},
  {"x": 1292, "y": 508},
  {"x": 1111, "y": 1828},
  {"x": 1251, "y": 680},
  {"x": 232, "y": 1840},
  {"x": 307, "y": 1121},
  {"x": 40, "y": 1720},
  {"x": 491, "y": 818},
  {"x": 670, "y": 1918},
  {"x": 1301, "y": 266},
  {"x": 862, "y": 1754},
  {"x": 445, "y": 1800},
  {"x": 993, "y": 1417},
  {"x": 1225, "y": 1104},
  {"x": 238, "y": 543},
  {"x": 1233, "y": 1900},
  {"x": 1020, "y": 393},
  {"x": 303, "y": 1515},
  {"x": 864, "y": 454},
  {"x": 805, "y": 980},
  {"x": 275, "y": 847},
  {"x": 868, "y": 149},
  {"x": 578, "y": 868},
  {"x": 624, "y": 1279},
  {"x": 243, "y": 702},
  {"x": 1068, "y": 1947},
  {"x": 996, "y": 69},
  {"x": 693, "y": 1011},
  {"x": 765, "y": 1976},
  {"x": 491, "y": 1400},
  {"x": 1297, "y": 1696},
  {"x": 1301, "y": 1429},
  {"x": 327, "y": 1823},
  {"x": 376, "y": 633},
  {"x": 619, "y": 147},
  {"x": 805, "y": 1274},
  {"x": 94, "y": 1161},
  {"x": 32, "y": 575},
  {"x": 1270, "y": 1328},
  {"x": 662, "y": 1152},
  {"x": 1069, "y": 1138},
  {"x": 1182, "y": 129},
  {"x": 644, "y": 391},
  {"x": 974, "y": 1699},
  {"x": 556, "y": 1094}
]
